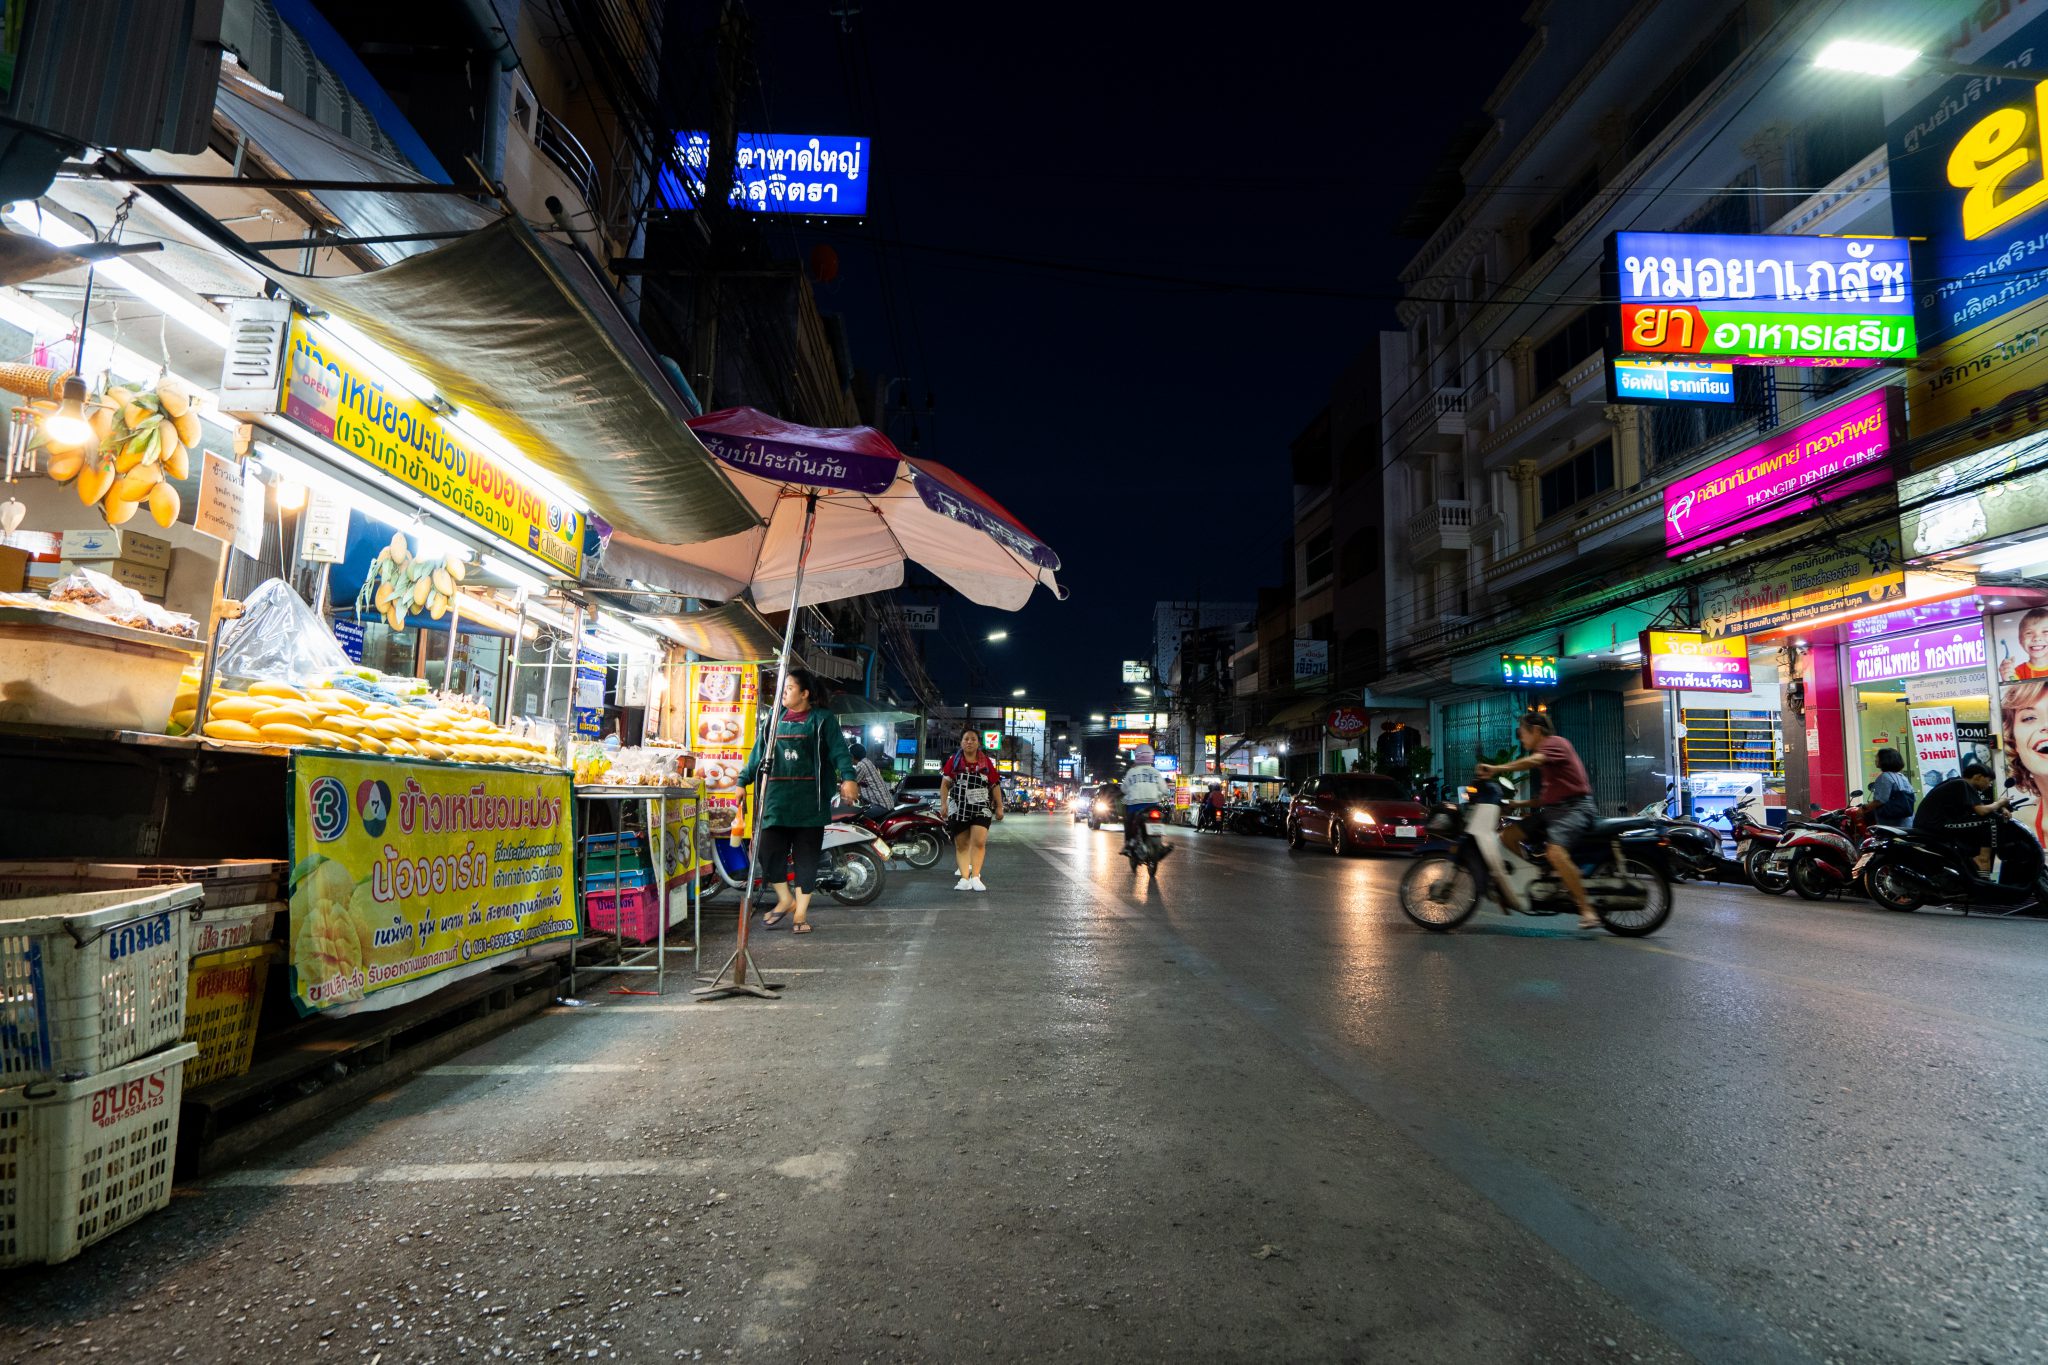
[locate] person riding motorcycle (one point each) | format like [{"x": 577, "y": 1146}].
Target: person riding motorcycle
[
  {"x": 1145, "y": 789},
  {"x": 1566, "y": 795},
  {"x": 1956, "y": 814}
]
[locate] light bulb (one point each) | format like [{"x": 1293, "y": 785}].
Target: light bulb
[
  {"x": 291, "y": 496},
  {"x": 67, "y": 425}
]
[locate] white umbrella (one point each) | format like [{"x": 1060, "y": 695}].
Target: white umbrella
[{"x": 844, "y": 509}]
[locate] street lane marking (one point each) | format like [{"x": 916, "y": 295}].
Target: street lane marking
[
  {"x": 529, "y": 1069},
  {"x": 454, "y": 1171},
  {"x": 1655, "y": 1286}
]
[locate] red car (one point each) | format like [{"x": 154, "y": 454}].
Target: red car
[{"x": 1354, "y": 811}]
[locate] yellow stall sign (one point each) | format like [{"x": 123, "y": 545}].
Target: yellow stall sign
[
  {"x": 404, "y": 871},
  {"x": 326, "y": 394}
]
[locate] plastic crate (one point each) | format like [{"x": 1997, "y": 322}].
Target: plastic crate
[
  {"x": 90, "y": 980},
  {"x": 223, "y": 1000},
  {"x": 631, "y": 915},
  {"x": 82, "y": 1159},
  {"x": 637, "y": 880}
]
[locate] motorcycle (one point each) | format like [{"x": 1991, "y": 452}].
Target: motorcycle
[
  {"x": 1264, "y": 817},
  {"x": 912, "y": 833},
  {"x": 1630, "y": 890},
  {"x": 852, "y": 869},
  {"x": 1754, "y": 841},
  {"x": 1688, "y": 849},
  {"x": 1903, "y": 869},
  {"x": 1817, "y": 856}
]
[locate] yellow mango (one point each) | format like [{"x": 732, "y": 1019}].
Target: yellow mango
[
  {"x": 118, "y": 511},
  {"x": 234, "y": 729},
  {"x": 276, "y": 689},
  {"x": 278, "y": 732},
  {"x": 238, "y": 708}
]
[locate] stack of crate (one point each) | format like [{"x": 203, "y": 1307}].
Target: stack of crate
[{"x": 92, "y": 1062}]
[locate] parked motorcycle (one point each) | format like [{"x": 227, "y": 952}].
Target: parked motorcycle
[
  {"x": 912, "y": 832},
  {"x": 1688, "y": 849},
  {"x": 1902, "y": 869},
  {"x": 1262, "y": 817},
  {"x": 1754, "y": 841},
  {"x": 852, "y": 870},
  {"x": 1630, "y": 893},
  {"x": 1817, "y": 856}
]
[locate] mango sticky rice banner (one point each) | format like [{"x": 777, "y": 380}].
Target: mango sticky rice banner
[
  {"x": 723, "y": 701},
  {"x": 408, "y": 875}
]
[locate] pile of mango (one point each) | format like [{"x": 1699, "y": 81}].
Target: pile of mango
[{"x": 334, "y": 718}]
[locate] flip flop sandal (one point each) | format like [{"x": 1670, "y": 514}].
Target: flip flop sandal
[
  {"x": 800, "y": 928},
  {"x": 773, "y": 918}
]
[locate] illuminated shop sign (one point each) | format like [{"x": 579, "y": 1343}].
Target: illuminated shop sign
[
  {"x": 1767, "y": 299},
  {"x": 1775, "y": 479},
  {"x": 1906, "y": 656},
  {"x": 1686, "y": 660},
  {"x": 1823, "y": 580},
  {"x": 1670, "y": 381},
  {"x": 1528, "y": 670},
  {"x": 819, "y": 177}
]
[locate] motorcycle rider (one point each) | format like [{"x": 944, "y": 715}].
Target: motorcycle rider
[
  {"x": 1145, "y": 789},
  {"x": 1566, "y": 797},
  {"x": 875, "y": 800},
  {"x": 1956, "y": 815}
]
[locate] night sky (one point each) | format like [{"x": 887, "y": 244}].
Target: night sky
[{"x": 1138, "y": 425}]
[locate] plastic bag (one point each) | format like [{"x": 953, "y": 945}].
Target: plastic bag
[
  {"x": 279, "y": 639},
  {"x": 103, "y": 597}
]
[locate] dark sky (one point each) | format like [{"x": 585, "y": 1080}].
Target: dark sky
[{"x": 1139, "y": 427}]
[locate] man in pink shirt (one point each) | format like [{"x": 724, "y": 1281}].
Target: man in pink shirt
[{"x": 1566, "y": 799}]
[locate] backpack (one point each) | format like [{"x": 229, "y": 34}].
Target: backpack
[{"x": 1896, "y": 805}]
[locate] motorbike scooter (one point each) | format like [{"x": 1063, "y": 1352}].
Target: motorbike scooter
[
  {"x": 1903, "y": 870},
  {"x": 852, "y": 869},
  {"x": 1754, "y": 841},
  {"x": 1817, "y": 856},
  {"x": 1630, "y": 893},
  {"x": 911, "y": 831}
]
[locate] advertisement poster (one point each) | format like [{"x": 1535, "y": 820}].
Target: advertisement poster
[
  {"x": 1934, "y": 743},
  {"x": 2020, "y": 645},
  {"x": 723, "y": 702},
  {"x": 586, "y": 710},
  {"x": 406, "y": 875},
  {"x": 1818, "y": 582}
]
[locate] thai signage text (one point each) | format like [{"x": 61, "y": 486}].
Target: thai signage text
[{"x": 1772, "y": 480}]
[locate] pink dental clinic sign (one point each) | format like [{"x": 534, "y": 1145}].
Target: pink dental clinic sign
[{"x": 1780, "y": 477}]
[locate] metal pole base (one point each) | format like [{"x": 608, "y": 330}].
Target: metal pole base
[{"x": 719, "y": 987}]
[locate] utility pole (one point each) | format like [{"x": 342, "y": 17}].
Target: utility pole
[{"x": 735, "y": 41}]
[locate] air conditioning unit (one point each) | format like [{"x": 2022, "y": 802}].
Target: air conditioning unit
[{"x": 252, "y": 372}]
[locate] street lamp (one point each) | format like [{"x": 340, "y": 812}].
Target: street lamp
[
  {"x": 1018, "y": 693},
  {"x": 997, "y": 636},
  {"x": 1098, "y": 717},
  {"x": 1884, "y": 59}
]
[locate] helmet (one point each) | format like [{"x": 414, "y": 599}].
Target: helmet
[{"x": 1142, "y": 754}]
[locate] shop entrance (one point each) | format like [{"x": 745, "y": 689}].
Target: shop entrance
[{"x": 1936, "y": 723}]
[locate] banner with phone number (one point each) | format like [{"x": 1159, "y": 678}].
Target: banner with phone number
[
  {"x": 723, "y": 701},
  {"x": 409, "y": 874}
]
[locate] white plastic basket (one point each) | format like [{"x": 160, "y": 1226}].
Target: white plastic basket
[
  {"x": 81, "y": 1159},
  {"x": 91, "y": 979}
]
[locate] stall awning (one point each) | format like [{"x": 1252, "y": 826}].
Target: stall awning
[
  {"x": 734, "y": 631},
  {"x": 520, "y": 332}
]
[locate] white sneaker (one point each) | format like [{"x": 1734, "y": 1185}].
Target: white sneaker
[
  {"x": 963, "y": 885},
  {"x": 974, "y": 884}
]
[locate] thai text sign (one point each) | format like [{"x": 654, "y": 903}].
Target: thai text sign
[
  {"x": 1771, "y": 481},
  {"x": 1671, "y": 381},
  {"x": 404, "y": 871},
  {"x": 722, "y": 701},
  {"x": 1764, "y": 298},
  {"x": 820, "y": 177},
  {"x": 1528, "y": 670},
  {"x": 326, "y": 394},
  {"x": 1818, "y": 582},
  {"x": 1686, "y": 660},
  {"x": 1931, "y": 651},
  {"x": 1935, "y": 750}
]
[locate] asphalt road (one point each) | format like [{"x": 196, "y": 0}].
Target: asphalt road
[{"x": 1244, "y": 1112}]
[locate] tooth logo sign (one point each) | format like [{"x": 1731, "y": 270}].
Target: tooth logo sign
[
  {"x": 327, "y": 804},
  {"x": 1678, "y": 512},
  {"x": 373, "y": 803}
]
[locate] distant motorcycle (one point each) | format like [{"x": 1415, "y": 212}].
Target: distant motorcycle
[
  {"x": 1261, "y": 817},
  {"x": 1754, "y": 841}
]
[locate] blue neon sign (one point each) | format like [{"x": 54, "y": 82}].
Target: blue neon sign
[
  {"x": 1673, "y": 381},
  {"x": 819, "y": 177}
]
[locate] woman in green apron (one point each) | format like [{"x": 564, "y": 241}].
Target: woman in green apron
[{"x": 810, "y": 753}]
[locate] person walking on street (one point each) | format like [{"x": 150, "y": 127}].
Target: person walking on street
[
  {"x": 1566, "y": 798},
  {"x": 808, "y": 754},
  {"x": 971, "y": 795}
]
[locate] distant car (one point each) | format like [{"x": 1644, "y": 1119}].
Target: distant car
[
  {"x": 919, "y": 787},
  {"x": 1080, "y": 803},
  {"x": 1351, "y": 812}
]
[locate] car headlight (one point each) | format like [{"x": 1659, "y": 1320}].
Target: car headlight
[
  {"x": 1102, "y": 807},
  {"x": 1361, "y": 816}
]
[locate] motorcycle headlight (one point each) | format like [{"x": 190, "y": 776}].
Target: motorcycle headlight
[{"x": 882, "y": 849}]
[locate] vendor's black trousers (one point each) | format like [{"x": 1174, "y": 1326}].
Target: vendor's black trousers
[{"x": 795, "y": 847}]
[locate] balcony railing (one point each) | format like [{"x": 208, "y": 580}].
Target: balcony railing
[{"x": 561, "y": 146}]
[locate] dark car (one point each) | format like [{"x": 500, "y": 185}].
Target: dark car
[
  {"x": 1081, "y": 803},
  {"x": 1353, "y": 811}
]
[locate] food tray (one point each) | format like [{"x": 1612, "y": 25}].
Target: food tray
[
  {"x": 82, "y": 1159},
  {"x": 90, "y": 980}
]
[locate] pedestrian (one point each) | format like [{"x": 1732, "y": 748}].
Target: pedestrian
[
  {"x": 1891, "y": 792},
  {"x": 971, "y": 795},
  {"x": 809, "y": 753},
  {"x": 875, "y": 800}
]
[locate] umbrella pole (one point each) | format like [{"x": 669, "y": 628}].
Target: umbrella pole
[{"x": 742, "y": 961}]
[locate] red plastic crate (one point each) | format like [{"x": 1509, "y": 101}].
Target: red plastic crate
[{"x": 631, "y": 914}]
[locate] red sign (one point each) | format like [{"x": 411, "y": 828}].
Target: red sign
[{"x": 1347, "y": 722}]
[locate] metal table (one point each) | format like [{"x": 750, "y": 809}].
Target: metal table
[{"x": 656, "y": 804}]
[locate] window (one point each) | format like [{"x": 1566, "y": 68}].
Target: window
[
  {"x": 1589, "y": 472},
  {"x": 1568, "y": 346},
  {"x": 1676, "y": 429},
  {"x": 1562, "y": 210},
  {"x": 1320, "y": 556},
  {"x": 1695, "y": 74},
  {"x": 1732, "y": 211},
  {"x": 1361, "y": 554}
]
